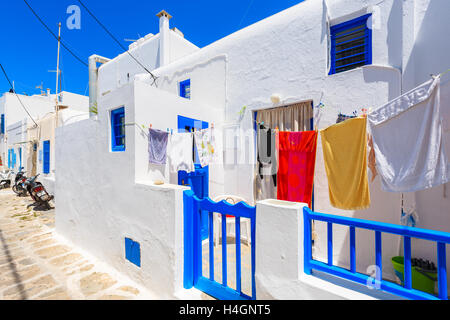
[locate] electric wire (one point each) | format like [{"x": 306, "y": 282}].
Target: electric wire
[
  {"x": 54, "y": 35},
  {"x": 117, "y": 41},
  {"x": 10, "y": 84}
]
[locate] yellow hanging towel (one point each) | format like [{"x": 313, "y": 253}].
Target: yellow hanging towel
[{"x": 345, "y": 155}]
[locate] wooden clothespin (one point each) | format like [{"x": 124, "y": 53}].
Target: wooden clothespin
[{"x": 212, "y": 125}]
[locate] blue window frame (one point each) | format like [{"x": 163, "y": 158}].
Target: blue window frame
[
  {"x": 185, "y": 89},
  {"x": 118, "y": 129},
  {"x": 46, "y": 154},
  {"x": 351, "y": 45},
  {"x": 2, "y": 124}
]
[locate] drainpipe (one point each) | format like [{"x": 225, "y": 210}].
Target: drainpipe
[{"x": 93, "y": 81}]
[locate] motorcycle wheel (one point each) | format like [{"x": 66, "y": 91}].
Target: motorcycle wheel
[{"x": 14, "y": 188}]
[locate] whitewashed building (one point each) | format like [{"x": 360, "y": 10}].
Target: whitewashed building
[
  {"x": 27, "y": 140},
  {"x": 285, "y": 59}
]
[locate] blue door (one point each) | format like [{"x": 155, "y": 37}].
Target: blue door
[
  {"x": 46, "y": 168},
  {"x": 199, "y": 179}
]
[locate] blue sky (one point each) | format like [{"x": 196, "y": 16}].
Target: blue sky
[{"x": 29, "y": 51}]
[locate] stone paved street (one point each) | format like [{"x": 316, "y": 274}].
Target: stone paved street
[{"x": 35, "y": 265}]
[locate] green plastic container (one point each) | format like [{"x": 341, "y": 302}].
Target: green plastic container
[{"x": 423, "y": 281}]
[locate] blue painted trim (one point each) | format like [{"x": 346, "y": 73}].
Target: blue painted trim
[
  {"x": 116, "y": 116},
  {"x": 211, "y": 245},
  {"x": 46, "y": 155},
  {"x": 2, "y": 124},
  {"x": 352, "y": 249},
  {"x": 196, "y": 206},
  {"x": 183, "y": 85},
  {"x": 238, "y": 254},
  {"x": 219, "y": 291},
  {"x": 330, "y": 243},
  {"x": 442, "y": 271},
  {"x": 188, "y": 231},
  {"x": 363, "y": 279},
  {"x": 224, "y": 250},
  {"x": 133, "y": 251},
  {"x": 360, "y": 21},
  {"x": 407, "y": 263},
  {"x": 407, "y": 232}
]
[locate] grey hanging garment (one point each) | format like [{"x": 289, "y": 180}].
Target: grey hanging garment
[{"x": 157, "y": 146}]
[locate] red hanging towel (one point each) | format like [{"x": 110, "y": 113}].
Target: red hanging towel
[{"x": 297, "y": 161}]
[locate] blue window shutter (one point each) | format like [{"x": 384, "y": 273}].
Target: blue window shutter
[
  {"x": 2, "y": 124},
  {"x": 185, "y": 89},
  {"x": 46, "y": 168},
  {"x": 20, "y": 158},
  {"x": 351, "y": 45},
  {"x": 118, "y": 129}
]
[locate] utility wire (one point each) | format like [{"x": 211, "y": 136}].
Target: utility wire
[
  {"x": 10, "y": 84},
  {"x": 54, "y": 35},
  {"x": 117, "y": 41}
]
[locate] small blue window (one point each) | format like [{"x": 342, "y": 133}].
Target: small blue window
[
  {"x": 185, "y": 89},
  {"x": 2, "y": 124},
  {"x": 133, "y": 251},
  {"x": 351, "y": 45},
  {"x": 118, "y": 129},
  {"x": 46, "y": 155}
]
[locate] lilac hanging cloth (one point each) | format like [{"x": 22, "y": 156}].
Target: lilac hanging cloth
[{"x": 157, "y": 146}]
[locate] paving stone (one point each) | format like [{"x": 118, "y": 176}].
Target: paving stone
[
  {"x": 56, "y": 294},
  {"x": 129, "y": 289},
  {"x": 43, "y": 243},
  {"x": 29, "y": 289},
  {"x": 52, "y": 251},
  {"x": 19, "y": 276},
  {"x": 66, "y": 260},
  {"x": 96, "y": 282}
]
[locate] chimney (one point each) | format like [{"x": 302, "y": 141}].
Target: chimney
[
  {"x": 164, "y": 37},
  {"x": 48, "y": 92}
]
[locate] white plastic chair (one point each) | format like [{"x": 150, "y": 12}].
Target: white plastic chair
[{"x": 229, "y": 220}]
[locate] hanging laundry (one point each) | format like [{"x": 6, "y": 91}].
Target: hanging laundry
[
  {"x": 408, "y": 141},
  {"x": 205, "y": 147},
  {"x": 266, "y": 166},
  {"x": 343, "y": 117},
  {"x": 180, "y": 152},
  {"x": 372, "y": 161},
  {"x": 157, "y": 146},
  {"x": 345, "y": 155},
  {"x": 297, "y": 161}
]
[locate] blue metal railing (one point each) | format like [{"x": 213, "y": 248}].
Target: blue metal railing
[
  {"x": 441, "y": 238},
  {"x": 193, "y": 274}
]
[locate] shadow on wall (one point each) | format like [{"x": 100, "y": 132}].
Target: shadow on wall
[
  {"x": 432, "y": 57},
  {"x": 379, "y": 74}
]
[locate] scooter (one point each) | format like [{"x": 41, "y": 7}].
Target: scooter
[
  {"x": 5, "y": 179},
  {"x": 39, "y": 194},
  {"x": 19, "y": 180}
]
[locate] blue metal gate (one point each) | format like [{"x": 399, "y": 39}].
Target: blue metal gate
[{"x": 193, "y": 257}]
